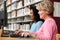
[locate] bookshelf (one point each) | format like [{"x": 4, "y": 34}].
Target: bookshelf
[{"x": 18, "y": 14}]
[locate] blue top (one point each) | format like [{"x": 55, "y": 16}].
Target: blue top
[{"x": 36, "y": 26}]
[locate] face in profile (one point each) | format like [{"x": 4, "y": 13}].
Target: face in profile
[
  {"x": 31, "y": 14},
  {"x": 42, "y": 14}
]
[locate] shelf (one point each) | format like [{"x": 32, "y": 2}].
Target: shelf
[
  {"x": 19, "y": 17},
  {"x": 24, "y": 6},
  {"x": 12, "y": 18},
  {"x": 11, "y": 11},
  {"x": 22, "y": 16},
  {"x": 14, "y": 30},
  {"x": 11, "y": 22},
  {"x": 22, "y": 21},
  {"x": 9, "y": 30}
]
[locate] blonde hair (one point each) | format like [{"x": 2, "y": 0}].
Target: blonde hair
[{"x": 46, "y": 5}]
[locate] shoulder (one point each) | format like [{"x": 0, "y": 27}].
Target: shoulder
[
  {"x": 39, "y": 22},
  {"x": 51, "y": 20}
]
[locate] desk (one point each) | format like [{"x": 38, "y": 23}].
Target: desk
[
  {"x": 57, "y": 36},
  {"x": 10, "y": 38}
]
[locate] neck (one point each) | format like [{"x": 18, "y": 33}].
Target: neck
[{"x": 47, "y": 17}]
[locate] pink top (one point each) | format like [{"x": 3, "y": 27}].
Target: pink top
[{"x": 48, "y": 30}]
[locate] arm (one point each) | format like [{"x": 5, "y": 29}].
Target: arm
[
  {"x": 33, "y": 26},
  {"x": 38, "y": 25},
  {"x": 46, "y": 32}
]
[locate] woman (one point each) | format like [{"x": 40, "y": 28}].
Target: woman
[
  {"x": 48, "y": 29},
  {"x": 35, "y": 17}
]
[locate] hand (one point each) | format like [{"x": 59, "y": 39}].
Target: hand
[
  {"x": 24, "y": 34},
  {"x": 17, "y": 31},
  {"x": 33, "y": 35}
]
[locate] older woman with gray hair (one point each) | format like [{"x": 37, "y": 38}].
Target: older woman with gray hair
[{"x": 48, "y": 29}]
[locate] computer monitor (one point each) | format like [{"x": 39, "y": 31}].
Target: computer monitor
[{"x": 3, "y": 15}]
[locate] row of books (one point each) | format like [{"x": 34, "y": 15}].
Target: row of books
[
  {"x": 12, "y": 14},
  {"x": 21, "y": 19},
  {"x": 13, "y": 27},
  {"x": 12, "y": 7},
  {"x": 19, "y": 13},
  {"x": 19, "y": 4},
  {"x": 10, "y": 1},
  {"x": 27, "y": 2}
]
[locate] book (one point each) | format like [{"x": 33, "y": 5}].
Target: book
[
  {"x": 26, "y": 11},
  {"x": 17, "y": 26},
  {"x": 27, "y": 27},
  {"x": 26, "y": 2},
  {"x": 20, "y": 13},
  {"x": 27, "y": 18},
  {"x": 21, "y": 27},
  {"x": 14, "y": 0},
  {"x": 14, "y": 14},
  {"x": 8, "y": 2},
  {"x": 32, "y": 1},
  {"x": 9, "y": 9},
  {"x": 24, "y": 27},
  {"x": 9, "y": 15},
  {"x": 19, "y": 4},
  {"x": 11, "y": 28},
  {"x": 14, "y": 6}
]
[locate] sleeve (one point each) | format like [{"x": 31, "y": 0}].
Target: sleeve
[
  {"x": 38, "y": 25},
  {"x": 33, "y": 28},
  {"x": 46, "y": 32}
]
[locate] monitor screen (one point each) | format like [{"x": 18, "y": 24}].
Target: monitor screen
[{"x": 3, "y": 14}]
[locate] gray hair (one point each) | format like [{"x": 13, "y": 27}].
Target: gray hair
[{"x": 46, "y": 5}]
